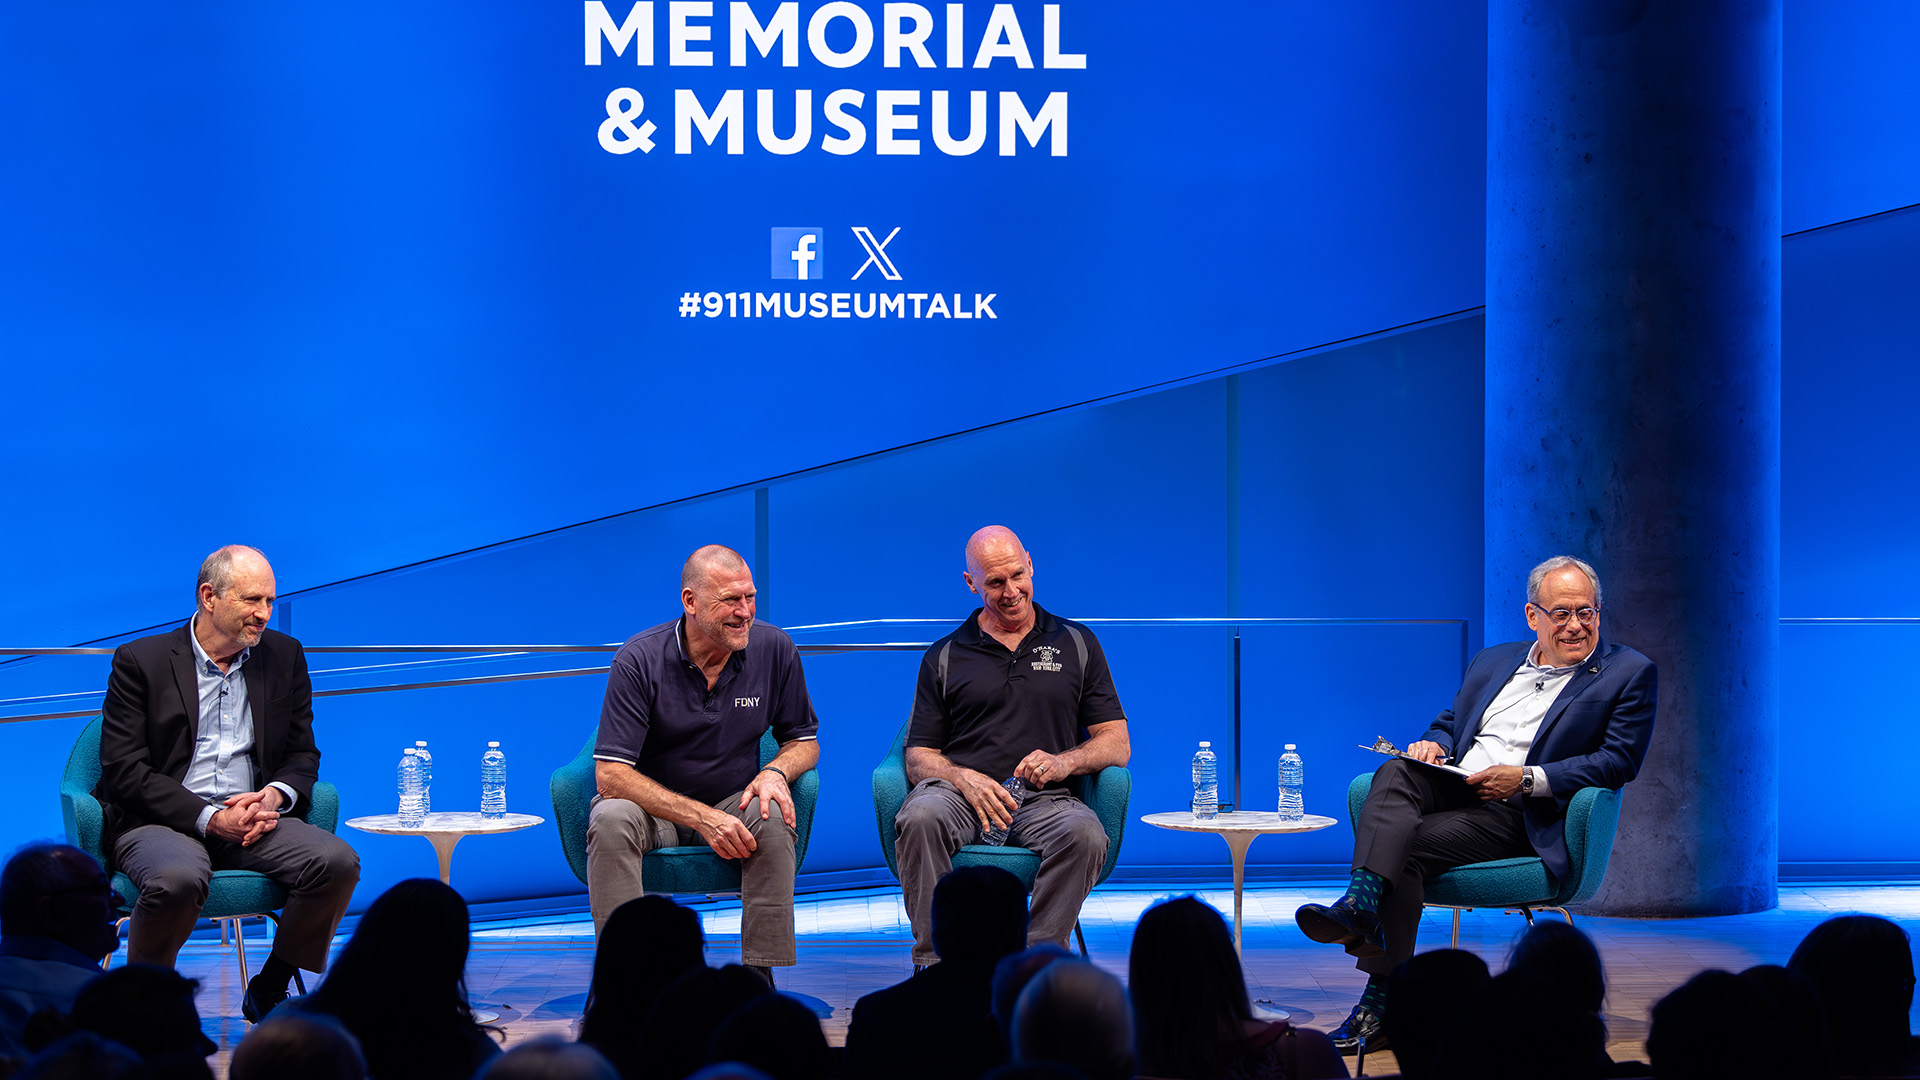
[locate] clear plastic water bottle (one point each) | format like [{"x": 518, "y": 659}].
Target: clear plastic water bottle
[
  {"x": 426, "y": 775},
  {"x": 997, "y": 836},
  {"x": 413, "y": 810},
  {"x": 1293, "y": 801},
  {"x": 1206, "y": 787},
  {"x": 493, "y": 782}
]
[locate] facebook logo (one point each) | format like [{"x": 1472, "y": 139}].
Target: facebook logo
[{"x": 798, "y": 254}]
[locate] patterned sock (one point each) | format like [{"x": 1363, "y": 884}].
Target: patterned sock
[
  {"x": 1374, "y": 997},
  {"x": 1364, "y": 890}
]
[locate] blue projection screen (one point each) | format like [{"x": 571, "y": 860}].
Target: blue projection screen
[{"x": 436, "y": 275}]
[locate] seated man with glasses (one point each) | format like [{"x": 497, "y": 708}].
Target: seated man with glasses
[{"x": 1533, "y": 722}]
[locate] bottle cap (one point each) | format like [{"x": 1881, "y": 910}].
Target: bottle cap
[
  {"x": 408, "y": 752},
  {"x": 493, "y": 744},
  {"x": 1204, "y": 742},
  {"x": 1289, "y": 746},
  {"x": 421, "y": 743}
]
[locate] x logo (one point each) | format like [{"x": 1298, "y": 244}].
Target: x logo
[{"x": 876, "y": 253}]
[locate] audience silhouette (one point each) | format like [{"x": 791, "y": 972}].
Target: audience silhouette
[
  {"x": 941, "y": 1020},
  {"x": 1192, "y": 1017},
  {"x": 646, "y": 944},
  {"x": 399, "y": 985}
]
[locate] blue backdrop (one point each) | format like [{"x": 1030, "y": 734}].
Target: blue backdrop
[{"x": 362, "y": 286}]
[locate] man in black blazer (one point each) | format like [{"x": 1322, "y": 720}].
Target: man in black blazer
[
  {"x": 1533, "y": 723},
  {"x": 208, "y": 763}
]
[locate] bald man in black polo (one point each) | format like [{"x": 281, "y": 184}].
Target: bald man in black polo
[{"x": 1015, "y": 691}]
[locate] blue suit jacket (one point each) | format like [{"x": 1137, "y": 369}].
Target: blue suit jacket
[{"x": 1595, "y": 735}]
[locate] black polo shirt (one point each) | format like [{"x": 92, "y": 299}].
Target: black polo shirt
[
  {"x": 991, "y": 707},
  {"x": 660, "y": 718}
]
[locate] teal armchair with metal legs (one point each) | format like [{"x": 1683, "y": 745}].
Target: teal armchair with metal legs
[
  {"x": 232, "y": 896},
  {"x": 1524, "y": 884},
  {"x": 1107, "y": 792},
  {"x": 672, "y": 870}
]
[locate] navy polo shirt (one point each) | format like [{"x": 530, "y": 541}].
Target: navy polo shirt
[
  {"x": 994, "y": 706},
  {"x": 660, "y": 718}
]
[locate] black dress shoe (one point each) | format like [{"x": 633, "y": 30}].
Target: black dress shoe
[
  {"x": 1343, "y": 924},
  {"x": 260, "y": 999},
  {"x": 1362, "y": 1026}
]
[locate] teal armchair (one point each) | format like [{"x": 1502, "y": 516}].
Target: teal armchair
[
  {"x": 1524, "y": 883},
  {"x": 1107, "y": 792},
  {"x": 232, "y": 895},
  {"x": 676, "y": 870}
]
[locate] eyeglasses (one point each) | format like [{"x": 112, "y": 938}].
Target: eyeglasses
[{"x": 1560, "y": 615}]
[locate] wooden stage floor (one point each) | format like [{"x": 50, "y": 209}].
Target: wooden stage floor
[{"x": 535, "y": 971}]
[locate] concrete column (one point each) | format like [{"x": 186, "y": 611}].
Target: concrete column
[{"x": 1633, "y": 395}]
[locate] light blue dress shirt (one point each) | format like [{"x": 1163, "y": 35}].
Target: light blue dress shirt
[
  {"x": 223, "y": 747},
  {"x": 1513, "y": 718}
]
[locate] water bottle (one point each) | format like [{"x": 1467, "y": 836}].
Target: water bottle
[
  {"x": 493, "y": 782},
  {"x": 413, "y": 810},
  {"x": 1293, "y": 805},
  {"x": 997, "y": 836},
  {"x": 1206, "y": 789},
  {"x": 426, "y": 776}
]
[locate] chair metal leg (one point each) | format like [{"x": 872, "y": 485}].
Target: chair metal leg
[
  {"x": 1456, "y": 926},
  {"x": 239, "y": 945},
  {"x": 119, "y": 924},
  {"x": 1082, "y": 938}
]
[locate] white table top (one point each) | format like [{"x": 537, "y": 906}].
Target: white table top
[
  {"x": 445, "y": 822},
  {"x": 1239, "y": 821}
]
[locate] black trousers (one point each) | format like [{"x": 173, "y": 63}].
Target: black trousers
[{"x": 1418, "y": 822}]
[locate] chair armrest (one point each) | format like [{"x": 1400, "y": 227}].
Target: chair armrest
[
  {"x": 1357, "y": 798},
  {"x": 325, "y": 811},
  {"x": 86, "y": 822},
  {"x": 806, "y": 796},
  {"x": 1592, "y": 816},
  {"x": 1108, "y": 792}
]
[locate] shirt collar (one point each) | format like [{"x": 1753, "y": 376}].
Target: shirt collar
[
  {"x": 1535, "y": 647},
  {"x": 971, "y": 634},
  {"x": 204, "y": 663},
  {"x": 680, "y": 643}
]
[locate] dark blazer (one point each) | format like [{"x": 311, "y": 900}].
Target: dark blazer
[
  {"x": 152, "y": 716},
  {"x": 938, "y": 1025},
  {"x": 1595, "y": 735}
]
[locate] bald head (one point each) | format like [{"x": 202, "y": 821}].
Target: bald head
[
  {"x": 992, "y": 541},
  {"x": 1001, "y": 571},
  {"x": 700, "y": 566},
  {"x": 220, "y": 568}
]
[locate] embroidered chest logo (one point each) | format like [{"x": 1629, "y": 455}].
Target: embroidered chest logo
[
  {"x": 746, "y": 703},
  {"x": 1045, "y": 655}
]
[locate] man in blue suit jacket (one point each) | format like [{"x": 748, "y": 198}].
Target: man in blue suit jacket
[{"x": 1534, "y": 722}]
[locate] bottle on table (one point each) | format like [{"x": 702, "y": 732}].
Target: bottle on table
[
  {"x": 997, "y": 836},
  {"x": 1206, "y": 786},
  {"x": 413, "y": 809},
  {"x": 426, "y": 776},
  {"x": 1293, "y": 799},
  {"x": 493, "y": 782}
]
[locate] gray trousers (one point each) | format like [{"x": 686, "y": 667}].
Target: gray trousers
[
  {"x": 172, "y": 871},
  {"x": 936, "y": 820},
  {"x": 619, "y": 833}
]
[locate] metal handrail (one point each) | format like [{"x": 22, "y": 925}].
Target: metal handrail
[{"x": 483, "y": 652}]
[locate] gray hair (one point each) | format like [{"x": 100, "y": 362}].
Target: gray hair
[
  {"x": 1075, "y": 1014},
  {"x": 549, "y": 1058},
  {"x": 699, "y": 566},
  {"x": 1559, "y": 562},
  {"x": 217, "y": 569},
  {"x": 300, "y": 1046}
]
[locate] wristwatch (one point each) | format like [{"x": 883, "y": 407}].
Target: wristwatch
[{"x": 1526, "y": 780}]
